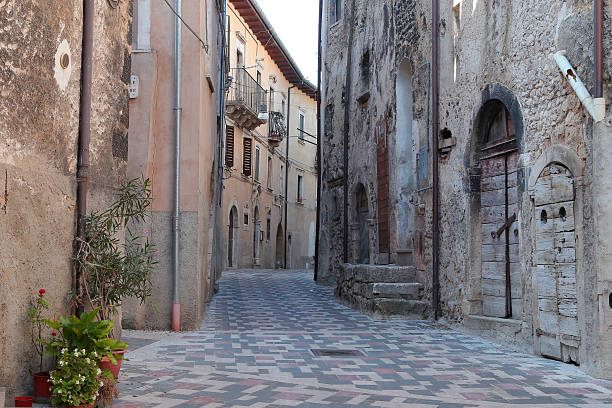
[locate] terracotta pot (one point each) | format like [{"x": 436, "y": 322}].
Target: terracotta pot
[
  {"x": 42, "y": 386},
  {"x": 106, "y": 364},
  {"x": 24, "y": 401}
]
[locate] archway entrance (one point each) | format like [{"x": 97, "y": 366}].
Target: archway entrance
[
  {"x": 557, "y": 324},
  {"x": 256, "y": 236},
  {"x": 232, "y": 237},
  {"x": 280, "y": 246},
  {"x": 498, "y": 155},
  {"x": 363, "y": 236}
]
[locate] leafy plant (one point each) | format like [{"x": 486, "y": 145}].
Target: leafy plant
[
  {"x": 114, "y": 270},
  {"x": 84, "y": 333},
  {"x": 36, "y": 317},
  {"x": 107, "y": 392},
  {"x": 77, "y": 378}
]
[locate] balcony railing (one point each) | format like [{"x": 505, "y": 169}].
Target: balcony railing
[{"x": 246, "y": 100}]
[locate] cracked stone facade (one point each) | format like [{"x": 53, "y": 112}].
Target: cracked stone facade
[{"x": 506, "y": 115}]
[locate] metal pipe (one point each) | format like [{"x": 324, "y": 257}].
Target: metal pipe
[
  {"x": 287, "y": 171},
  {"x": 84, "y": 136},
  {"x": 318, "y": 216},
  {"x": 436, "y": 175},
  {"x": 176, "y": 306},
  {"x": 598, "y": 47},
  {"x": 347, "y": 104}
]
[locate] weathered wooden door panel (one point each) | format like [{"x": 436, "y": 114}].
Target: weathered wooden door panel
[
  {"x": 500, "y": 238},
  {"x": 557, "y": 325}
]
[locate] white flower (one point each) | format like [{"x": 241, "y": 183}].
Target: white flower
[
  {"x": 59, "y": 391},
  {"x": 77, "y": 382},
  {"x": 61, "y": 362},
  {"x": 64, "y": 350},
  {"x": 83, "y": 351},
  {"x": 99, "y": 371},
  {"x": 88, "y": 360}
]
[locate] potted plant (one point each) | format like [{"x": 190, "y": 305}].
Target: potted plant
[
  {"x": 77, "y": 378},
  {"x": 113, "y": 269},
  {"x": 36, "y": 316},
  {"x": 79, "y": 343}
]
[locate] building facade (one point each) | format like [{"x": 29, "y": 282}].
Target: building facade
[
  {"x": 156, "y": 76},
  {"x": 41, "y": 46},
  {"x": 524, "y": 243},
  {"x": 269, "y": 202}
]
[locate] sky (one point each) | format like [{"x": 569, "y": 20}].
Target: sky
[{"x": 296, "y": 23}]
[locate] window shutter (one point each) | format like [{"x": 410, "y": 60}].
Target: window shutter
[
  {"x": 246, "y": 156},
  {"x": 229, "y": 147}
]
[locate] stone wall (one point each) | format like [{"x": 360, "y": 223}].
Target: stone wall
[
  {"x": 39, "y": 111},
  {"x": 497, "y": 51}
]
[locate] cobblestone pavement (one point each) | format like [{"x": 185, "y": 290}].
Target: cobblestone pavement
[{"x": 255, "y": 349}]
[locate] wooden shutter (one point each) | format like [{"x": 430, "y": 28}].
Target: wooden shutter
[
  {"x": 246, "y": 156},
  {"x": 229, "y": 147}
]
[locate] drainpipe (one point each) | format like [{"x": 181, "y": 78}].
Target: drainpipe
[
  {"x": 176, "y": 305},
  {"x": 347, "y": 104},
  {"x": 319, "y": 164},
  {"x": 436, "y": 175},
  {"x": 598, "y": 48},
  {"x": 596, "y": 107},
  {"x": 84, "y": 136},
  {"x": 287, "y": 170}
]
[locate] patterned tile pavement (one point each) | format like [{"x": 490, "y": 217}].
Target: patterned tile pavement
[{"x": 254, "y": 349}]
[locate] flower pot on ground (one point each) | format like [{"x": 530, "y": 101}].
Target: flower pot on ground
[
  {"x": 77, "y": 378},
  {"x": 42, "y": 386},
  {"x": 113, "y": 366},
  {"x": 24, "y": 401}
]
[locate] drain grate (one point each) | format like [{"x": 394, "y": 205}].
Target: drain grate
[{"x": 336, "y": 353}]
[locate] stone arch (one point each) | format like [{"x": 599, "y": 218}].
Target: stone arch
[
  {"x": 494, "y": 285},
  {"x": 556, "y": 154}
]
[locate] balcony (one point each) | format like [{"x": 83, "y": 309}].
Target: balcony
[
  {"x": 246, "y": 100},
  {"x": 277, "y": 127}
]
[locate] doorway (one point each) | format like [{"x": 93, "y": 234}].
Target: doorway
[
  {"x": 280, "y": 246},
  {"x": 232, "y": 237},
  {"x": 501, "y": 290},
  {"x": 363, "y": 235},
  {"x": 256, "y": 236}
]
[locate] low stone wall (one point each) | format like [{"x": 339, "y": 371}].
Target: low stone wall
[{"x": 382, "y": 291}]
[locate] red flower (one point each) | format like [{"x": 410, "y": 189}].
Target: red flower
[
  {"x": 54, "y": 334},
  {"x": 42, "y": 292}
]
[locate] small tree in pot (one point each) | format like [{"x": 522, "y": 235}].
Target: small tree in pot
[{"x": 113, "y": 269}]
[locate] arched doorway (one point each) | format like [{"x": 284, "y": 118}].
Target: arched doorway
[
  {"x": 256, "y": 235},
  {"x": 280, "y": 246},
  {"x": 497, "y": 210},
  {"x": 232, "y": 237},
  {"x": 362, "y": 214},
  {"x": 557, "y": 322}
]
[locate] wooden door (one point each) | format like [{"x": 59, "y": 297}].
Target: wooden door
[
  {"x": 501, "y": 284},
  {"x": 557, "y": 324},
  {"x": 230, "y": 241}
]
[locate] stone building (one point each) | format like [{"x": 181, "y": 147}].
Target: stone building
[
  {"x": 268, "y": 95},
  {"x": 153, "y": 140},
  {"x": 524, "y": 235},
  {"x": 40, "y": 84}
]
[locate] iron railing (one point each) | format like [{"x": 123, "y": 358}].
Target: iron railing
[{"x": 245, "y": 90}]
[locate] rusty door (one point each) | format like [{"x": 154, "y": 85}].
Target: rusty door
[
  {"x": 557, "y": 324},
  {"x": 364, "y": 230},
  {"x": 501, "y": 290}
]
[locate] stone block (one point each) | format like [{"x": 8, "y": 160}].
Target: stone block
[
  {"x": 397, "y": 290},
  {"x": 399, "y": 307}
]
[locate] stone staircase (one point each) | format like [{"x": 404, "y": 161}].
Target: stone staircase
[{"x": 383, "y": 291}]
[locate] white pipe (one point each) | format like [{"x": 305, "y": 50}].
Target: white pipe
[{"x": 595, "y": 106}]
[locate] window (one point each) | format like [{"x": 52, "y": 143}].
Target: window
[
  {"x": 282, "y": 176},
  {"x": 257, "y": 163},
  {"x": 300, "y": 189},
  {"x": 229, "y": 147},
  {"x": 283, "y": 110},
  {"x": 246, "y": 218},
  {"x": 141, "y": 39},
  {"x": 246, "y": 156},
  {"x": 269, "y": 182},
  {"x": 336, "y": 11},
  {"x": 301, "y": 129},
  {"x": 272, "y": 107},
  {"x": 268, "y": 228}
]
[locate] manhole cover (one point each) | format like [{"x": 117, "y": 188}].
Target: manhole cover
[{"x": 336, "y": 353}]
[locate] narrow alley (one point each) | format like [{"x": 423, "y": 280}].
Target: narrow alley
[{"x": 268, "y": 340}]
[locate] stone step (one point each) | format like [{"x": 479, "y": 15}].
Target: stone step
[
  {"x": 400, "y": 307},
  {"x": 397, "y": 290},
  {"x": 379, "y": 273}
]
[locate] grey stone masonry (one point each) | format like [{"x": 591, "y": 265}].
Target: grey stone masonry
[{"x": 381, "y": 291}]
